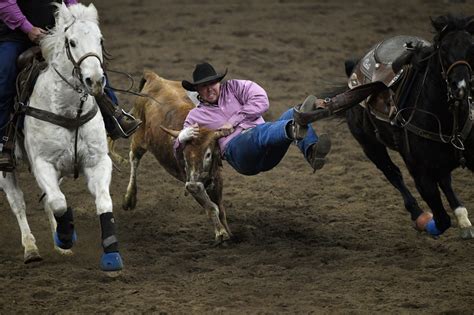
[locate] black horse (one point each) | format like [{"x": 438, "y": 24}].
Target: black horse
[{"x": 426, "y": 115}]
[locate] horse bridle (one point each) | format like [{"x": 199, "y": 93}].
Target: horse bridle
[
  {"x": 76, "y": 71},
  {"x": 458, "y": 136}
]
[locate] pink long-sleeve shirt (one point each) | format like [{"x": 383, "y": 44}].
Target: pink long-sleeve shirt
[
  {"x": 12, "y": 16},
  {"x": 241, "y": 103}
]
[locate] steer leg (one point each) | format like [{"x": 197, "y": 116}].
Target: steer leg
[
  {"x": 215, "y": 194},
  {"x": 130, "y": 198},
  {"x": 212, "y": 210}
]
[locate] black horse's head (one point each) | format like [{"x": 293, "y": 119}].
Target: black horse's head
[{"x": 454, "y": 42}]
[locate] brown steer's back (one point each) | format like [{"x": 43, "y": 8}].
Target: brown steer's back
[{"x": 168, "y": 106}]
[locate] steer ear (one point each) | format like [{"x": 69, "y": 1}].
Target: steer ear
[
  {"x": 223, "y": 133},
  {"x": 171, "y": 132}
]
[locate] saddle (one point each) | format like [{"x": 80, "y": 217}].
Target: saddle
[{"x": 387, "y": 62}]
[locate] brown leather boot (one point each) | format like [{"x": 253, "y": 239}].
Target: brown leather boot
[
  {"x": 7, "y": 157},
  {"x": 7, "y": 161},
  {"x": 122, "y": 124},
  {"x": 318, "y": 151},
  {"x": 299, "y": 130}
]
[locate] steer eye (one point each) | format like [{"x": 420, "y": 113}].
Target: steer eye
[{"x": 208, "y": 155}]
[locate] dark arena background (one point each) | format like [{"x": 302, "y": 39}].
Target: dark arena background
[{"x": 337, "y": 241}]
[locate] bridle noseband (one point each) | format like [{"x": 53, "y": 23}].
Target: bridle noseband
[{"x": 76, "y": 71}]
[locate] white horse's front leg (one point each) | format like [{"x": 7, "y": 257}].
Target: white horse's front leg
[
  {"x": 98, "y": 181},
  {"x": 17, "y": 204},
  {"x": 60, "y": 216}
]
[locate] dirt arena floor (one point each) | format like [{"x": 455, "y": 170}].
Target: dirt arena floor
[{"x": 338, "y": 241}]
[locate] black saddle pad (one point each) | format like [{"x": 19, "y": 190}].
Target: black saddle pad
[{"x": 392, "y": 48}]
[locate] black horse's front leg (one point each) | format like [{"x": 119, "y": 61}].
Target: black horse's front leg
[
  {"x": 466, "y": 229},
  {"x": 428, "y": 188}
]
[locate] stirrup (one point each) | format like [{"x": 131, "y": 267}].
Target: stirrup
[
  {"x": 118, "y": 131},
  {"x": 299, "y": 129},
  {"x": 7, "y": 162}
]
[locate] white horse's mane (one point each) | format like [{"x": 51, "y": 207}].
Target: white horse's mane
[{"x": 64, "y": 17}]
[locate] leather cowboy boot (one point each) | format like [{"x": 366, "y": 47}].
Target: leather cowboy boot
[
  {"x": 298, "y": 130},
  {"x": 7, "y": 158},
  {"x": 316, "y": 155},
  {"x": 118, "y": 123}
]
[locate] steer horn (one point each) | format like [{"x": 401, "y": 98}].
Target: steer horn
[
  {"x": 171, "y": 132},
  {"x": 339, "y": 102}
]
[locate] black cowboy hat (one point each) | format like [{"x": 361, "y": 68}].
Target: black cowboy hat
[{"x": 203, "y": 73}]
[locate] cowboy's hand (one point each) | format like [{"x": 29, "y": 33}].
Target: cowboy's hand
[
  {"x": 188, "y": 133},
  {"x": 227, "y": 128},
  {"x": 36, "y": 34}
]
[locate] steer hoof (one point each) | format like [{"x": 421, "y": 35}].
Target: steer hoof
[
  {"x": 222, "y": 240},
  {"x": 467, "y": 233},
  {"x": 129, "y": 202}
]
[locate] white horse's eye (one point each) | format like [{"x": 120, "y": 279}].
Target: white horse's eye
[{"x": 72, "y": 43}]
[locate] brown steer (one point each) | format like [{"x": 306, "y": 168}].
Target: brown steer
[{"x": 163, "y": 115}]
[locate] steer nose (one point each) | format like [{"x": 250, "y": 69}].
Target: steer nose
[{"x": 194, "y": 187}]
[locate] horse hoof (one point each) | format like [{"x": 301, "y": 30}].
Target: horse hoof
[
  {"x": 431, "y": 228},
  {"x": 64, "y": 252},
  {"x": 111, "y": 262},
  {"x": 65, "y": 245},
  {"x": 467, "y": 233},
  {"x": 32, "y": 257},
  {"x": 422, "y": 221}
]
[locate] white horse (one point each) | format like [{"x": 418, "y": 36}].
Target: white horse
[{"x": 74, "y": 141}]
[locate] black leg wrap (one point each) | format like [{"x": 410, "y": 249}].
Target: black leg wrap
[
  {"x": 109, "y": 240},
  {"x": 65, "y": 228}
]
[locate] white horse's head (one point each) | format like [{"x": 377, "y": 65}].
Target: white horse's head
[{"x": 77, "y": 36}]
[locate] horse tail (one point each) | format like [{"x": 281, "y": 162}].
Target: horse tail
[
  {"x": 142, "y": 84},
  {"x": 349, "y": 66}
]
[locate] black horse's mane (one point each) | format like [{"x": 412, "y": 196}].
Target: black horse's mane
[
  {"x": 442, "y": 25},
  {"x": 448, "y": 23}
]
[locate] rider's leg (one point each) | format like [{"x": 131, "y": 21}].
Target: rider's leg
[
  {"x": 314, "y": 148},
  {"x": 9, "y": 52},
  {"x": 118, "y": 123}
]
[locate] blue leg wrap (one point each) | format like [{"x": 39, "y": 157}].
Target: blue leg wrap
[
  {"x": 432, "y": 229},
  {"x": 111, "y": 262},
  {"x": 65, "y": 245}
]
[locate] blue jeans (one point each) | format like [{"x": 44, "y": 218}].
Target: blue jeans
[
  {"x": 261, "y": 148},
  {"x": 9, "y": 52}
]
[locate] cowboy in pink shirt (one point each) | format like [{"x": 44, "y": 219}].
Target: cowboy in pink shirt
[{"x": 253, "y": 145}]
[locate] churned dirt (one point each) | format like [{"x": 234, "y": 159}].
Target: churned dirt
[{"x": 337, "y": 241}]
